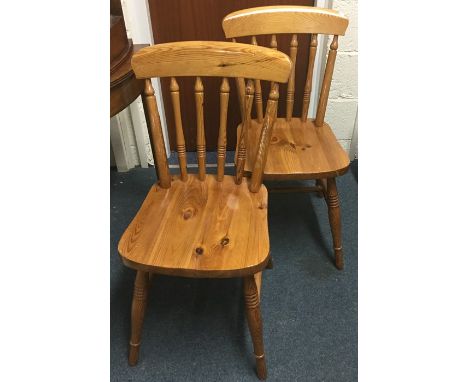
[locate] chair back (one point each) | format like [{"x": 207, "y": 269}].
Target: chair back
[
  {"x": 291, "y": 20},
  {"x": 214, "y": 59}
]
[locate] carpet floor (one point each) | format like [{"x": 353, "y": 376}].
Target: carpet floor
[{"x": 195, "y": 329}]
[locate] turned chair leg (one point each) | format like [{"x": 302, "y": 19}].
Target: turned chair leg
[
  {"x": 140, "y": 296},
  {"x": 254, "y": 319},
  {"x": 335, "y": 221}
]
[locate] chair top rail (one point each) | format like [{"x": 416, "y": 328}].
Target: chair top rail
[
  {"x": 213, "y": 59},
  {"x": 284, "y": 19}
]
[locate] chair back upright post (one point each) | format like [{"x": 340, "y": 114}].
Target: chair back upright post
[
  {"x": 293, "y": 20},
  {"x": 216, "y": 59}
]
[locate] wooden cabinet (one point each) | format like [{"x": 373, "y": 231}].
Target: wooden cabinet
[{"x": 178, "y": 20}]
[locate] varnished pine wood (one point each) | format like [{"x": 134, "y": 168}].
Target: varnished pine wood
[
  {"x": 263, "y": 140},
  {"x": 300, "y": 148},
  {"x": 327, "y": 77},
  {"x": 258, "y": 93},
  {"x": 205, "y": 225},
  {"x": 284, "y": 19},
  {"x": 299, "y": 151},
  {"x": 211, "y": 58},
  {"x": 140, "y": 297},
  {"x": 156, "y": 136},
  {"x": 254, "y": 319},
  {"x": 199, "y": 229},
  {"x": 179, "y": 130},
  {"x": 243, "y": 136},
  {"x": 223, "y": 109},
  {"x": 335, "y": 221},
  {"x": 291, "y": 87},
  {"x": 310, "y": 71},
  {"x": 240, "y": 85},
  {"x": 201, "y": 145}
]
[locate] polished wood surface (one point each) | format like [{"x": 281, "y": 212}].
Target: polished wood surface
[
  {"x": 291, "y": 85},
  {"x": 258, "y": 93},
  {"x": 211, "y": 58},
  {"x": 299, "y": 150},
  {"x": 201, "y": 144},
  {"x": 192, "y": 20},
  {"x": 284, "y": 19},
  {"x": 199, "y": 229},
  {"x": 200, "y": 225},
  {"x": 181, "y": 155},
  {"x": 124, "y": 86},
  {"x": 223, "y": 113},
  {"x": 254, "y": 319},
  {"x": 260, "y": 153},
  {"x": 327, "y": 78},
  {"x": 335, "y": 220},
  {"x": 156, "y": 135},
  {"x": 310, "y": 71},
  {"x": 139, "y": 302},
  {"x": 242, "y": 141}
]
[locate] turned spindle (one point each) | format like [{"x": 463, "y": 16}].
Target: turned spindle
[
  {"x": 291, "y": 86},
  {"x": 258, "y": 93},
  {"x": 310, "y": 71},
  {"x": 264, "y": 140},
  {"x": 140, "y": 297},
  {"x": 223, "y": 110},
  {"x": 322, "y": 105},
  {"x": 180, "y": 140},
  {"x": 156, "y": 135},
  {"x": 243, "y": 136},
  {"x": 335, "y": 221},
  {"x": 254, "y": 319},
  {"x": 240, "y": 85},
  {"x": 201, "y": 145}
]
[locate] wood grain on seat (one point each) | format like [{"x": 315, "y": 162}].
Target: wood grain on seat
[
  {"x": 299, "y": 150},
  {"x": 199, "y": 229}
]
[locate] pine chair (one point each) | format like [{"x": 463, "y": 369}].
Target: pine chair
[
  {"x": 202, "y": 225},
  {"x": 301, "y": 148}
]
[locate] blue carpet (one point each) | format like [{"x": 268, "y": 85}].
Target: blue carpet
[{"x": 195, "y": 329}]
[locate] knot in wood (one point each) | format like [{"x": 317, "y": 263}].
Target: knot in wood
[
  {"x": 224, "y": 241},
  {"x": 187, "y": 213},
  {"x": 199, "y": 251},
  {"x": 274, "y": 139},
  {"x": 262, "y": 206}
]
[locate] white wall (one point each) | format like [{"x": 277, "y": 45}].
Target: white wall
[{"x": 343, "y": 100}]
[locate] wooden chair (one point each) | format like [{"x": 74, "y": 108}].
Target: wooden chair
[
  {"x": 300, "y": 148},
  {"x": 202, "y": 225}
]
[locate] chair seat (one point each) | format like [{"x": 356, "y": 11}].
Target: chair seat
[
  {"x": 199, "y": 229},
  {"x": 298, "y": 150}
]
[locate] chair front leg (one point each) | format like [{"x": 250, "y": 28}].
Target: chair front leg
[
  {"x": 254, "y": 319},
  {"x": 140, "y": 296},
  {"x": 335, "y": 221}
]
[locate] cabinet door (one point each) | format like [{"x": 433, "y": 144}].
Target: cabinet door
[{"x": 178, "y": 20}]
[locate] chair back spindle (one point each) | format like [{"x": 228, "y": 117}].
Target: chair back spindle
[
  {"x": 180, "y": 140},
  {"x": 223, "y": 110},
  {"x": 265, "y": 138},
  {"x": 242, "y": 141},
  {"x": 291, "y": 88},
  {"x": 240, "y": 85},
  {"x": 201, "y": 145},
  {"x": 327, "y": 77},
  {"x": 273, "y": 20},
  {"x": 310, "y": 71},
  {"x": 156, "y": 135},
  {"x": 215, "y": 59},
  {"x": 258, "y": 93}
]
